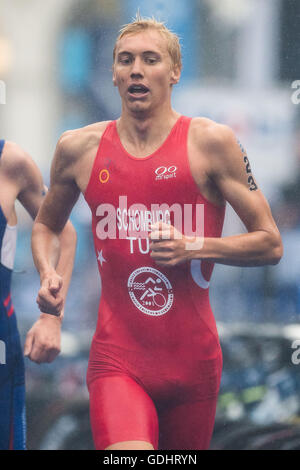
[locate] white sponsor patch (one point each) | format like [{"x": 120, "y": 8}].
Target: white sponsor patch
[
  {"x": 8, "y": 249},
  {"x": 164, "y": 173}
]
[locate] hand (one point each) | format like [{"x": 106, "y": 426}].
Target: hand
[
  {"x": 50, "y": 299},
  {"x": 43, "y": 339},
  {"x": 170, "y": 247}
]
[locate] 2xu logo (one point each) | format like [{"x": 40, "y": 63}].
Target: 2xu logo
[{"x": 163, "y": 172}]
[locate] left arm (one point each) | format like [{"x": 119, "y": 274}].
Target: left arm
[{"x": 230, "y": 171}]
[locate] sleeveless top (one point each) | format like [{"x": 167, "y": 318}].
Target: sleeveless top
[
  {"x": 146, "y": 308},
  {"x": 12, "y": 373},
  {"x": 8, "y": 239}
]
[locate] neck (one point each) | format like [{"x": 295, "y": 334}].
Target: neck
[{"x": 145, "y": 129}]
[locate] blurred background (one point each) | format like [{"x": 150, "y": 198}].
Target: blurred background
[{"x": 241, "y": 64}]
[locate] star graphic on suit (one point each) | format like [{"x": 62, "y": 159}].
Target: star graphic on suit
[{"x": 101, "y": 258}]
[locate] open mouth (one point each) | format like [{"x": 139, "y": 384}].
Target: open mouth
[{"x": 138, "y": 90}]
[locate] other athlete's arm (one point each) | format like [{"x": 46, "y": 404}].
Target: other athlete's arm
[
  {"x": 25, "y": 181},
  {"x": 31, "y": 193}
]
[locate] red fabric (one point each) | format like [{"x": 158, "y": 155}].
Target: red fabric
[
  {"x": 10, "y": 311},
  {"x": 122, "y": 410},
  {"x": 155, "y": 323},
  {"x": 7, "y": 300},
  {"x": 8, "y": 305}
]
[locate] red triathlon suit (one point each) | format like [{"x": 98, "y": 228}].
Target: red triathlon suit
[{"x": 155, "y": 361}]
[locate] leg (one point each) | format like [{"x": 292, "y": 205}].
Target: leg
[
  {"x": 19, "y": 418},
  {"x": 189, "y": 423},
  {"x": 188, "y": 426},
  {"x": 131, "y": 445},
  {"x": 5, "y": 414},
  {"x": 12, "y": 389},
  {"x": 121, "y": 413}
]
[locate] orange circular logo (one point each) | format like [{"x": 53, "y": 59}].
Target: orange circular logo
[{"x": 104, "y": 176}]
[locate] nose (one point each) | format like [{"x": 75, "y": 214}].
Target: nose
[{"x": 137, "y": 68}]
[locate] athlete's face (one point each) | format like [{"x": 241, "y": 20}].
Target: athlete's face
[{"x": 143, "y": 70}]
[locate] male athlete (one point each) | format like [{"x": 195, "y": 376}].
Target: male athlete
[
  {"x": 20, "y": 179},
  {"x": 155, "y": 362}
]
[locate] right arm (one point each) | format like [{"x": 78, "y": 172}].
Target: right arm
[
  {"x": 70, "y": 173},
  {"x": 50, "y": 243},
  {"x": 53, "y": 246}
]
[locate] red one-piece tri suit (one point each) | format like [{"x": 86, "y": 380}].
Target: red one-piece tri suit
[{"x": 155, "y": 362}]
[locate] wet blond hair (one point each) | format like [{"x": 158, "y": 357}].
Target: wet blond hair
[{"x": 140, "y": 24}]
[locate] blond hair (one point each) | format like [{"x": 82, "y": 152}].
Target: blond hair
[{"x": 140, "y": 24}]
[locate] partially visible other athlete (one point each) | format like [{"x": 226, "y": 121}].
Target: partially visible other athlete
[
  {"x": 155, "y": 362},
  {"x": 21, "y": 179}
]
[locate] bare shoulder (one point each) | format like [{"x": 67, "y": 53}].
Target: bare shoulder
[
  {"x": 16, "y": 163},
  {"x": 212, "y": 136},
  {"x": 218, "y": 145},
  {"x": 73, "y": 144},
  {"x": 13, "y": 156}
]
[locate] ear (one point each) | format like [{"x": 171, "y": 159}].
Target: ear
[
  {"x": 114, "y": 76},
  {"x": 175, "y": 75}
]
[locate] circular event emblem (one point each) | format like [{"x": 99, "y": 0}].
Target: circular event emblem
[
  {"x": 104, "y": 176},
  {"x": 150, "y": 291}
]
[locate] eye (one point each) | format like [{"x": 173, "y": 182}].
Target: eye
[
  {"x": 125, "y": 60},
  {"x": 151, "y": 60}
]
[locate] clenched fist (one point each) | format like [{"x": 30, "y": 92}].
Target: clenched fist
[
  {"x": 50, "y": 299},
  {"x": 43, "y": 341}
]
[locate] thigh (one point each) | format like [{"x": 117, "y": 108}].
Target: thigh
[
  {"x": 121, "y": 410},
  {"x": 188, "y": 426},
  {"x": 5, "y": 414}
]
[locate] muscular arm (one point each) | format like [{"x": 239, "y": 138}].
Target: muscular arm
[
  {"x": 230, "y": 172},
  {"x": 50, "y": 226},
  {"x": 23, "y": 181},
  {"x": 31, "y": 194},
  {"x": 70, "y": 172},
  {"x": 53, "y": 251}
]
